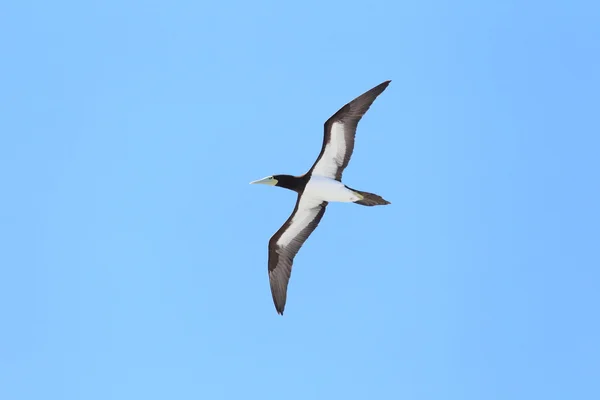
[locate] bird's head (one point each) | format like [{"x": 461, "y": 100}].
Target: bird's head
[{"x": 294, "y": 183}]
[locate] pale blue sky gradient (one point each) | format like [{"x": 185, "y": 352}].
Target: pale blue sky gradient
[{"x": 134, "y": 253}]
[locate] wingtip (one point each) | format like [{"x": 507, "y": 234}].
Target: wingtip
[
  {"x": 382, "y": 86},
  {"x": 279, "y": 308}
]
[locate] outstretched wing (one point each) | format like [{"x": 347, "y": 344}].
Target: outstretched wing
[
  {"x": 340, "y": 129},
  {"x": 284, "y": 245}
]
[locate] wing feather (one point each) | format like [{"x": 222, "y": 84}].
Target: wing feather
[
  {"x": 340, "y": 130},
  {"x": 285, "y": 244}
]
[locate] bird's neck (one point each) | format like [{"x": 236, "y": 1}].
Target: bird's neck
[{"x": 295, "y": 183}]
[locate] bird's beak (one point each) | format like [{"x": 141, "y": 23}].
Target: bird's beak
[{"x": 269, "y": 180}]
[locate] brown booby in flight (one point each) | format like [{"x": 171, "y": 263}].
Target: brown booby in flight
[{"x": 316, "y": 188}]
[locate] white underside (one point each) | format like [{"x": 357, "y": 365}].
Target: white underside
[
  {"x": 321, "y": 188},
  {"x": 334, "y": 153},
  {"x": 317, "y": 190}
]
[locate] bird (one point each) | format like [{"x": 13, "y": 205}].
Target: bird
[{"x": 319, "y": 186}]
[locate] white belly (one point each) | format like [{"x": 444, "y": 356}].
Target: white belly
[{"x": 326, "y": 189}]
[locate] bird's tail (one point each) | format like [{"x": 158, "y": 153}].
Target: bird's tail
[{"x": 369, "y": 199}]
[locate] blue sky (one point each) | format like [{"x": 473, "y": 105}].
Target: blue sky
[{"x": 134, "y": 252}]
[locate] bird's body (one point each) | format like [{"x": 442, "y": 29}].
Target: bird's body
[
  {"x": 322, "y": 188},
  {"x": 321, "y": 185}
]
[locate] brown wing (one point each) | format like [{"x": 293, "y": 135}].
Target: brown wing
[
  {"x": 284, "y": 246},
  {"x": 340, "y": 130}
]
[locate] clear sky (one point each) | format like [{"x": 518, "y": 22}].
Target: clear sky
[{"x": 134, "y": 253}]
